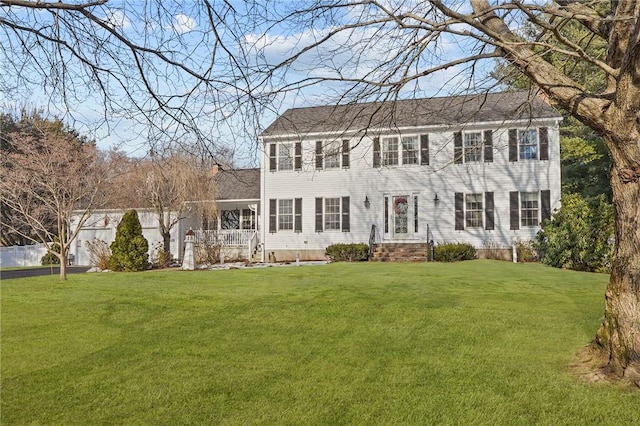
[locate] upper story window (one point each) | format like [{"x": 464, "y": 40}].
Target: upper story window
[
  {"x": 285, "y": 156},
  {"x": 390, "y": 151},
  {"x": 404, "y": 150},
  {"x": 473, "y": 147},
  {"x": 330, "y": 155},
  {"x": 529, "y": 144},
  {"x": 410, "y": 150}
]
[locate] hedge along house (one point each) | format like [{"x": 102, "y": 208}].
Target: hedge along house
[{"x": 478, "y": 169}]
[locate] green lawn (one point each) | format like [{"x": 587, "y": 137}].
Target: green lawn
[{"x": 472, "y": 343}]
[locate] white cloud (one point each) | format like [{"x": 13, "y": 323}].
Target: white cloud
[
  {"x": 183, "y": 23},
  {"x": 118, "y": 19}
]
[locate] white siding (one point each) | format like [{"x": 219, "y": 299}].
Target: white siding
[
  {"x": 102, "y": 226},
  {"x": 440, "y": 177}
]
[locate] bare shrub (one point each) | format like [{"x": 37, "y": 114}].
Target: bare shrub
[{"x": 99, "y": 253}]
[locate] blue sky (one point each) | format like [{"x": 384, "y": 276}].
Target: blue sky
[{"x": 183, "y": 31}]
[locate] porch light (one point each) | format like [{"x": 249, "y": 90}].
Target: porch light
[
  {"x": 366, "y": 202},
  {"x": 436, "y": 200}
]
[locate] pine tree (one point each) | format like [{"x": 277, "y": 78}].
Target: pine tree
[{"x": 129, "y": 251}]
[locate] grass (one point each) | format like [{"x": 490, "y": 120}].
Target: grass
[{"x": 480, "y": 342}]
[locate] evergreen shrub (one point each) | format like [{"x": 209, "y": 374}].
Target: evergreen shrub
[
  {"x": 348, "y": 252},
  {"x": 129, "y": 251},
  {"x": 51, "y": 258},
  {"x": 579, "y": 236},
  {"x": 454, "y": 252}
]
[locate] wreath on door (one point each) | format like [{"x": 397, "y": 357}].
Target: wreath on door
[{"x": 400, "y": 205}]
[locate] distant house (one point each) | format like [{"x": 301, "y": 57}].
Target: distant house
[{"x": 482, "y": 169}]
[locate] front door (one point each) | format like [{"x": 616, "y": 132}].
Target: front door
[{"x": 398, "y": 213}]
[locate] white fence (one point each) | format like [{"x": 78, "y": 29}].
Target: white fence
[{"x": 22, "y": 255}]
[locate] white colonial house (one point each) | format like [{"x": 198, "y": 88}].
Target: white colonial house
[{"x": 483, "y": 170}]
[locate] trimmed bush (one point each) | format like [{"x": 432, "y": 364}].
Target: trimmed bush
[
  {"x": 454, "y": 252},
  {"x": 129, "y": 251},
  {"x": 348, "y": 252}
]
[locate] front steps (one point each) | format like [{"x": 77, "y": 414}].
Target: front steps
[{"x": 401, "y": 252}]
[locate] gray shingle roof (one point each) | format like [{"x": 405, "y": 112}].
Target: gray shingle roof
[
  {"x": 242, "y": 184},
  {"x": 453, "y": 110}
]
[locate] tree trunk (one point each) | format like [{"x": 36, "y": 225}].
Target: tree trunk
[
  {"x": 64, "y": 252},
  {"x": 619, "y": 334},
  {"x": 166, "y": 246}
]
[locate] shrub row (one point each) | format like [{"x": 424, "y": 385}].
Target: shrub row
[
  {"x": 454, "y": 252},
  {"x": 348, "y": 252}
]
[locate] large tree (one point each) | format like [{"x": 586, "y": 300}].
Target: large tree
[
  {"x": 359, "y": 50},
  {"x": 49, "y": 175}
]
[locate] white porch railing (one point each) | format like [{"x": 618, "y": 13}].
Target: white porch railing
[{"x": 227, "y": 237}]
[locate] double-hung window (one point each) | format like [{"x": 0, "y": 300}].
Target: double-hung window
[
  {"x": 390, "y": 151},
  {"x": 473, "y": 211},
  {"x": 332, "y": 155},
  {"x": 285, "y": 215},
  {"x": 332, "y": 214},
  {"x": 473, "y": 145},
  {"x": 529, "y": 144},
  {"x": 410, "y": 149},
  {"x": 401, "y": 150},
  {"x": 285, "y": 156},
  {"x": 529, "y": 209}
]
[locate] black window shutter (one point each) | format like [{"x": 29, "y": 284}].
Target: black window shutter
[
  {"x": 488, "y": 146},
  {"x": 319, "y": 155},
  {"x": 346, "y": 223},
  {"x": 424, "y": 150},
  {"x": 543, "y": 134},
  {"x": 298, "y": 157},
  {"x": 545, "y": 203},
  {"x": 386, "y": 215},
  {"x": 488, "y": 211},
  {"x": 345, "y": 153},
  {"x": 297, "y": 211},
  {"x": 273, "y": 206},
  {"x": 318, "y": 214},
  {"x": 513, "y": 145},
  {"x": 272, "y": 157},
  {"x": 457, "y": 148},
  {"x": 376, "y": 152},
  {"x": 459, "y": 211},
  {"x": 514, "y": 210}
]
